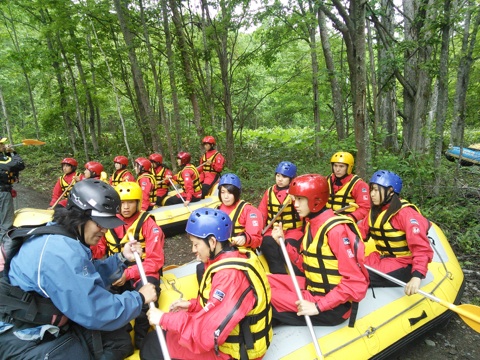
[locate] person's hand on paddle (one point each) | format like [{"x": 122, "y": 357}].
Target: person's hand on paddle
[
  {"x": 239, "y": 240},
  {"x": 9, "y": 148},
  {"x": 305, "y": 307},
  {"x": 154, "y": 316},
  {"x": 179, "y": 305},
  {"x": 131, "y": 247},
  {"x": 413, "y": 286},
  {"x": 277, "y": 232},
  {"x": 149, "y": 293}
]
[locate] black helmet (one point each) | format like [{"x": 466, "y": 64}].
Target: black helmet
[{"x": 99, "y": 197}]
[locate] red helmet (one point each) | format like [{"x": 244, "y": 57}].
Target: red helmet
[
  {"x": 95, "y": 168},
  {"x": 156, "y": 157},
  {"x": 70, "y": 161},
  {"x": 184, "y": 157},
  {"x": 312, "y": 186},
  {"x": 209, "y": 140},
  {"x": 121, "y": 160},
  {"x": 144, "y": 163}
]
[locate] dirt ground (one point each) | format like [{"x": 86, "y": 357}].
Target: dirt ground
[{"x": 455, "y": 340}]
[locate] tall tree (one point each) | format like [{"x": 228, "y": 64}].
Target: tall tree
[{"x": 352, "y": 29}]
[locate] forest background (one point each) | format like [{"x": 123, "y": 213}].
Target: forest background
[{"x": 395, "y": 82}]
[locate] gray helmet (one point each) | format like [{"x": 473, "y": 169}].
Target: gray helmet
[{"x": 99, "y": 197}]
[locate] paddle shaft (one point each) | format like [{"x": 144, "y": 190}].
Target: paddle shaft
[
  {"x": 178, "y": 193},
  {"x": 300, "y": 297},
  {"x": 346, "y": 207},
  {"x": 63, "y": 194},
  {"x": 453, "y": 307},
  {"x": 158, "y": 329},
  {"x": 271, "y": 222}
]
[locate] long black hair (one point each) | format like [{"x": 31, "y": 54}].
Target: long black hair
[
  {"x": 393, "y": 199},
  {"x": 73, "y": 220}
]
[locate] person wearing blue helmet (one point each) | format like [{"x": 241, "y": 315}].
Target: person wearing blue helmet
[
  {"x": 277, "y": 206},
  {"x": 400, "y": 234},
  {"x": 234, "y": 290},
  {"x": 247, "y": 220}
]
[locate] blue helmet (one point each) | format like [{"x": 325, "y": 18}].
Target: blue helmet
[
  {"x": 207, "y": 221},
  {"x": 230, "y": 179},
  {"x": 386, "y": 178},
  {"x": 286, "y": 168}
]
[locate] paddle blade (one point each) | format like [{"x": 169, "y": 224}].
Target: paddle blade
[
  {"x": 470, "y": 314},
  {"x": 32, "y": 142}
]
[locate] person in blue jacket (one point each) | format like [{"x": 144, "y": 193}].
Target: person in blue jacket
[{"x": 70, "y": 313}]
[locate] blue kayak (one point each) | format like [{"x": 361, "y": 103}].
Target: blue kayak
[{"x": 467, "y": 156}]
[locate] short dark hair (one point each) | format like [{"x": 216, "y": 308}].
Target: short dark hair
[{"x": 232, "y": 190}]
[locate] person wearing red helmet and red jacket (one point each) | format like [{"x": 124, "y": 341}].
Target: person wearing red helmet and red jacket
[
  {"x": 274, "y": 199},
  {"x": 331, "y": 255},
  {"x": 189, "y": 179},
  {"x": 142, "y": 227},
  {"x": 121, "y": 173},
  {"x": 345, "y": 188},
  {"x": 147, "y": 182},
  {"x": 400, "y": 234},
  {"x": 64, "y": 182},
  {"x": 93, "y": 170},
  {"x": 211, "y": 164},
  {"x": 160, "y": 172},
  {"x": 231, "y": 318}
]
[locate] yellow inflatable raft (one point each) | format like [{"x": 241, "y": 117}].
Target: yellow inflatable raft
[
  {"x": 387, "y": 319},
  {"x": 172, "y": 219}
]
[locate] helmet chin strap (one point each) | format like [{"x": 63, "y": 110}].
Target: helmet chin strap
[
  {"x": 81, "y": 234},
  {"x": 386, "y": 197}
]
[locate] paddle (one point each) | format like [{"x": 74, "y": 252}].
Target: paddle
[
  {"x": 178, "y": 193},
  {"x": 63, "y": 194},
  {"x": 158, "y": 329},
  {"x": 352, "y": 204},
  {"x": 30, "y": 142},
  {"x": 287, "y": 201},
  {"x": 300, "y": 297},
  {"x": 469, "y": 313}
]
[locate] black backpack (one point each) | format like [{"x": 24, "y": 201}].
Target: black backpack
[{"x": 12, "y": 240}]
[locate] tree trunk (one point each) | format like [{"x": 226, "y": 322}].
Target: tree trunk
[
  {"x": 5, "y": 115},
  {"x": 337, "y": 97},
  {"x": 187, "y": 68},
  {"x": 88, "y": 96},
  {"x": 146, "y": 116},
  {"x": 463, "y": 76},
  {"x": 81, "y": 125},
  {"x": 442, "y": 101}
]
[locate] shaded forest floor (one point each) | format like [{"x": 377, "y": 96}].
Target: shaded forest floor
[{"x": 454, "y": 340}]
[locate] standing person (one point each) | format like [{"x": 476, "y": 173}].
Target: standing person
[
  {"x": 400, "y": 234},
  {"x": 345, "y": 188},
  {"x": 64, "y": 183},
  {"x": 189, "y": 179},
  {"x": 275, "y": 198},
  {"x": 10, "y": 165},
  {"x": 121, "y": 173},
  {"x": 93, "y": 170},
  {"x": 147, "y": 182},
  {"x": 142, "y": 227},
  {"x": 206, "y": 327},
  {"x": 332, "y": 257},
  {"x": 160, "y": 172},
  {"x": 247, "y": 219},
  {"x": 79, "y": 318},
  {"x": 211, "y": 164}
]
